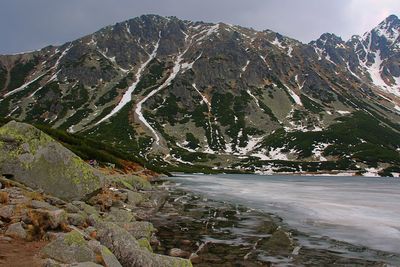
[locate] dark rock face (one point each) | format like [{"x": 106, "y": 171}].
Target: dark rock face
[{"x": 33, "y": 158}]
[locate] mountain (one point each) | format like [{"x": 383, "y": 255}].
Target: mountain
[{"x": 201, "y": 97}]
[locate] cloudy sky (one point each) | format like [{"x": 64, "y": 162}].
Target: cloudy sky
[{"x": 32, "y": 24}]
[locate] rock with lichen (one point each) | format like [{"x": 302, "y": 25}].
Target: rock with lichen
[
  {"x": 128, "y": 250},
  {"x": 33, "y": 158},
  {"x": 140, "y": 229},
  {"x": 69, "y": 248}
]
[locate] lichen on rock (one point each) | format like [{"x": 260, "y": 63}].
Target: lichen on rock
[{"x": 35, "y": 159}]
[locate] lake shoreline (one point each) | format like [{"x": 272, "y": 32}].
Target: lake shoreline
[{"x": 309, "y": 248}]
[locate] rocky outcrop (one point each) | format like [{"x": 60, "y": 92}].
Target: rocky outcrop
[
  {"x": 88, "y": 219},
  {"x": 31, "y": 157},
  {"x": 81, "y": 234}
]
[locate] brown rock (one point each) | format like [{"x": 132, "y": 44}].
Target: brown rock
[
  {"x": 176, "y": 252},
  {"x": 6, "y": 212},
  {"x": 16, "y": 230}
]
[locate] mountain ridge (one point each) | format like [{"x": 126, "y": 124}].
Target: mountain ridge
[{"x": 203, "y": 94}]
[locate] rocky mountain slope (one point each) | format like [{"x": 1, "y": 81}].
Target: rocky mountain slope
[{"x": 201, "y": 96}]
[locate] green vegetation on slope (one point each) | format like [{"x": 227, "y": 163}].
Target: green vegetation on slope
[
  {"x": 360, "y": 136},
  {"x": 19, "y": 73}
]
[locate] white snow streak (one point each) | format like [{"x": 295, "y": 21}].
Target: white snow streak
[
  {"x": 12, "y": 111},
  {"x": 277, "y": 43},
  {"x": 244, "y": 68},
  {"x": 54, "y": 77},
  {"x": 127, "y": 97},
  {"x": 205, "y": 100},
  {"x": 128, "y": 30},
  {"x": 203, "y": 97},
  {"x": 208, "y": 32},
  {"x": 375, "y": 71},
  {"x": 295, "y": 97},
  {"x": 318, "y": 150},
  {"x": 177, "y": 67},
  {"x": 254, "y": 97},
  {"x": 251, "y": 145},
  {"x": 343, "y": 112},
  {"x": 22, "y": 87},
  {"x": 188, "y": 66},
  {"x": 352, "y": 73},
  {"x": 289, "y": 52}
]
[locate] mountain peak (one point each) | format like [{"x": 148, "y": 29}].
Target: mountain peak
[
  {"x": 327, "y": 39},
  {"x": 392, "y": 18},
  {"x": 389, "y": 29},
  {"x": 391, "y": 22},
  {"x": 330, "y": 37}
]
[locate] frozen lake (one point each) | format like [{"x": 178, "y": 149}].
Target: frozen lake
[{"x": 358, "y": 210}]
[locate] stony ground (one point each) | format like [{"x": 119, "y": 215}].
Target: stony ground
[
  {"x": 108, "y": 229},
  {"x": 19, "y": 253}
]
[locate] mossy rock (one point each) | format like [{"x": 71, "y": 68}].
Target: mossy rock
[
  {"x": 134, "y": 198},
  {"x": 109, "y": 258},
  {"x": 133, "y": 182},
  {"x": 144, "y": 243},
  {"x": 36, "y": 160},
  {"x": 74, "y": 238},
  {"x": 279, "y": 243},
  {"x": 69, "y": 248},
  {"x": 119, "y": 216},
  {"x": 128, "y": 251},
  {"x": 140, "y": 229}
]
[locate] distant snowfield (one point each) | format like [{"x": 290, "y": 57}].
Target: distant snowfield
[{"x": 357, "y": 210}]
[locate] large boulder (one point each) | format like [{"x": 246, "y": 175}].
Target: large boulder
[
  {"x": 35, "y": 159},
  {"x": 129, "y": 252},
  {"x": 69, "y": 248},
  {"x": 16, "y": 230}
]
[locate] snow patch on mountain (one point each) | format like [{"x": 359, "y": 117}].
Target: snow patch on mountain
[
  {"x": 127, "y": 97},
  {"x": 295, "y": 97},
  {"x": 208, "y": 31},
  {"x": 277, "y": 43},
  {"x": 24, "y": 86},
  {"x": 188, "y": 66},
  {"x": 251, "y": 145},
  {"x": 289, "y": 52},
  {"x": 52, "y": 78},
  {"x": 318, "y": 150},
  {"x": 343, "y": 112},
  {"x": 244, "y": 68},
  {"x": 254, "y": 97},
  {"x": 175, "y": 70},
  {"x": 274, "y": 153}
]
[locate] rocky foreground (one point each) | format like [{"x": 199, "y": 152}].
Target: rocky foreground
[{"x": 56, "y": 210}]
